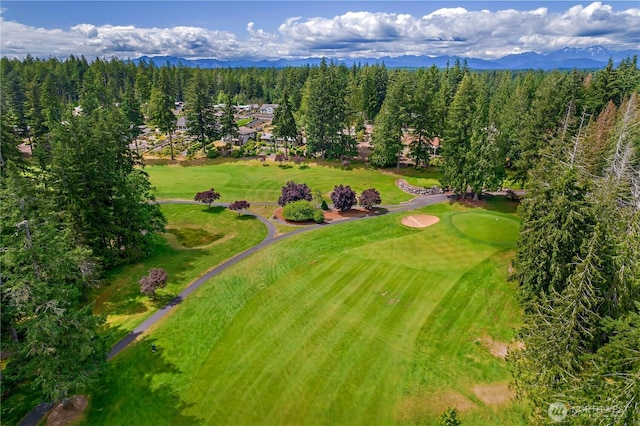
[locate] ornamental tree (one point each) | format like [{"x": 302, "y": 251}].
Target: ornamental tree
[
  {"x": 293, "y": 192},
  {"x": 157, "y": 278},
  {"x": 239, "y": 205},
  {"x": 343, "y": 197},
  {"x": 369, "y": 198},
  {"x": 207, "y": 197}
]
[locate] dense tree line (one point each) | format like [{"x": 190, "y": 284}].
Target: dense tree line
[
  {"x": 499, "y": 120},
  {"x": 578, "y": 267},
  {"x": 82, "y": 208}
]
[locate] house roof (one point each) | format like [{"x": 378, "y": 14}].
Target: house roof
[
  {"x": 243, "y": 130},
  {"x": 265, "y": 106}
]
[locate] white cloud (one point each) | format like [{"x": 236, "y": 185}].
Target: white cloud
[{"x": 448, "y": 31}]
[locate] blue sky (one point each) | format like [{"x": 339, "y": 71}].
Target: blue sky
[{"x": 290, "y": 29}]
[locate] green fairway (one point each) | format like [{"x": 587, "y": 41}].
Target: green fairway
[
  {"x": 255, "y": 182},
  {"x": 362, "y": 323},
  {"x": 197, "y": 239}
]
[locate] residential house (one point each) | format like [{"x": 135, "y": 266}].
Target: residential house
[
  {"x": 181, "y": 124},
  {"x": 268, "y": 108},
  {"x": 244, "y": 135}
]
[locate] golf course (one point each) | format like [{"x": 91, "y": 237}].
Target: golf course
[{"x": 357, "y": 323}]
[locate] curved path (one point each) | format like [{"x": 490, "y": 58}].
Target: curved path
[{"x": 33, "y": 417}]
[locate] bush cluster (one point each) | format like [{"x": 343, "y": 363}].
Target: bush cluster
[{"x": 302, "y": 211}]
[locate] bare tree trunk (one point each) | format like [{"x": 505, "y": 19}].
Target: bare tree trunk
[{"x": 171, "y": 145}]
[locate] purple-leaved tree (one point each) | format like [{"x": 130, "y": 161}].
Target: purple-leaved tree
[
  {"x": 207, "y": 197},
  {"x": 369, "y": 198},
  {"x": 293, "y": 192},
  {"x": 343, "y": 197},
  {"x": 239, "y": 205},
  {"x": 157, "y": 278}
]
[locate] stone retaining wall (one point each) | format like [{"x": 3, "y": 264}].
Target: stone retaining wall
[{"x": 417, "y": 190}]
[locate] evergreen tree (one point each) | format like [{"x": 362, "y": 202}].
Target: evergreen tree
[
  {"x": 14, "y": 100},
  {"x": 325, "y": 112},
  {"x": 201, "y": 119},
  {"x": 458, "y": 133},
  {"x": 161, "y": 106},
  {"x": 424, "y": 115},
  {"x": 580, "y": 336},
  {"x": 284, "y": 124},
  {"x": 132, "y": 112},
  {"x": 44, "y": 277},
  {"x": 97, "y": 182},
  {"x": 552, "y": 104},
  {"x": 228, "y": 125},
  {"x": 390, "y": 122},
  {"x": 484, "y": 162}
]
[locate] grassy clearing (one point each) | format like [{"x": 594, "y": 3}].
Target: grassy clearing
[
  {"x": 197, "y": 240},
  {"x": 267, "y": 212},
  {"x": 367, "y": 322},
  {"x": 251, "y": 180}
]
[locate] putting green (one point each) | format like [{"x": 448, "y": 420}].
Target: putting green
[{"x": 488, "y": 228}]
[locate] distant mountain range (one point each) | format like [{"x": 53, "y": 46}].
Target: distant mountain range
[{"x": 567, "y": 58}]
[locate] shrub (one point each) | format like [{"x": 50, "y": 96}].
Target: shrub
[
  {"x": 236, "y": 153},
  {"x": 213, "y": 153},
  {"x": 300, "y": 211},
  {"x": 324, "y": 206},
  {"x": 318, "y": 216}
]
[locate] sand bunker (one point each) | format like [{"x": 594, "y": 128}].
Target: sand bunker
[{"x": 420, "y": 220}]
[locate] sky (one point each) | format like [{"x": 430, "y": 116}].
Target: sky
[{"x": 272, "y": 30}]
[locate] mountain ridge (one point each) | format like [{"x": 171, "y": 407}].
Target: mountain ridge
[{"x": 592, "y": 57}]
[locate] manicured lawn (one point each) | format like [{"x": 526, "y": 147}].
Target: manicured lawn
[
  {"x": 425, "y": 177},
  {"x": 251, "y": 180},
  {"x": 360, "y": 323},
  {"x": 197, "y": 240}
]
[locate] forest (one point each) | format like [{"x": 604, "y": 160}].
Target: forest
[{"x": 81, "y": 204}]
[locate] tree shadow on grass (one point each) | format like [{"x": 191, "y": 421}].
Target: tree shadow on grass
[
  {"x": 496, "y": 203},
  {"x": 134, "y": 390},
  {"x": 162, "y": 299},
  {"x": 125, "y": 297},
  {"x": 246, "y": 217}
]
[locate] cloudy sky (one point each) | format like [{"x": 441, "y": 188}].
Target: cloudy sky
[{"x": 299, "y": 29}]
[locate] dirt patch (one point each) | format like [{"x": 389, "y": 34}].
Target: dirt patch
[
  {"x": 497, "y": 348},
  {"x": 333, "y": 215},
  {"x": 412, "y": 408},
  {"x": 420, "y": 220},
  {"x": 58, "y": 416},
  {"x": 494, "y": 394}
]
